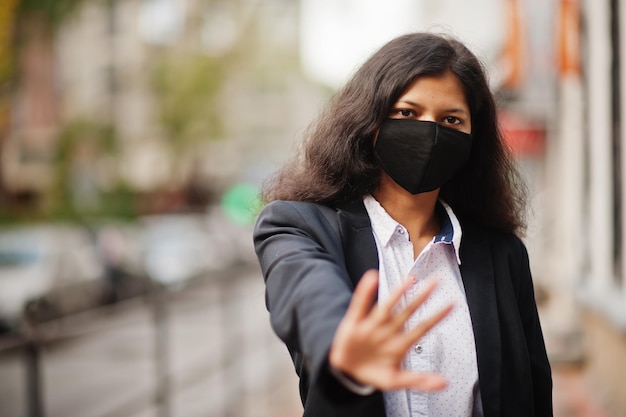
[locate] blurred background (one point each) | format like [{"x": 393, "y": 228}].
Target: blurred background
[{"x": 135, "y": 136}]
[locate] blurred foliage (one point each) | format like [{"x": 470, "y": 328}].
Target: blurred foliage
[
  {"x": 187, "y": 88},
  {"x": 52, "y": 12},
  {"x": 84, "y": 144},
  {"x": 8, "y": 14}
]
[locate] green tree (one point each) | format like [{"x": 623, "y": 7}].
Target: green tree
[
  {"x": 187, "y": 87},
  {"x": 8, "y": 17}
]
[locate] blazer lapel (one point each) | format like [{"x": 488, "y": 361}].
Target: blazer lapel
[
  {"x": 358, "y": 240},
  {"x": 478, "y": 279}
]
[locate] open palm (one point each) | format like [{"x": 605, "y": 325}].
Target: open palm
[{"x": 371, "y": 341}]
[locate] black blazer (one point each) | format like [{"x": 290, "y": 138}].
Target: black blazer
[{"x": 312, "y": 257}]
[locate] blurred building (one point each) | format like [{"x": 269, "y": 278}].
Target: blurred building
[
  {"x": 584, "y": 199},
  {"x": 158, "y": 94}
]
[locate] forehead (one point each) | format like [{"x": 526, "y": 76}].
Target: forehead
[{"x": 432, "y": 89}]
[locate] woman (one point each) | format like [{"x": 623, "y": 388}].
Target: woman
[{"x": 404, "y": 185}]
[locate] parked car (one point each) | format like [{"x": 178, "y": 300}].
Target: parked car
[
  {"x": 54, "y": 266},
  {"x": 118, "y": 245},
  {"x": 180, "y": 247}
]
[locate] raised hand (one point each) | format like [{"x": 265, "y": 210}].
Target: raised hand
[{"x": 371, "y": 342}]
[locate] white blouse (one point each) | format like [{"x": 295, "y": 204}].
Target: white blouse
[{"x": 447, "y": 349}]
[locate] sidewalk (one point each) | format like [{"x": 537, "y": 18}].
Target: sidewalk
[{"x": 573, "y": 394}]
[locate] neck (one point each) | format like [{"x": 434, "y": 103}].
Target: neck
[{"x": 416, "y": 212}]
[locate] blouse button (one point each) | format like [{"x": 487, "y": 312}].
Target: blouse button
[{"x": 419, "y": 349}]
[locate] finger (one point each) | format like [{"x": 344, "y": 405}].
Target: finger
[
  {"x": 421, "y": 329},
  {"x": 385, "y": 309},
  {"x": 363, "y": 296},
  {"x": 417, "y": 381},
  {"x": 403, "y": 316}
]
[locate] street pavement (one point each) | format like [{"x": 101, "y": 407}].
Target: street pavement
[
  {"x": 216, "y": 350},
  {"x": 214, "y": 354},
  {"x": 573, "y": 393}
]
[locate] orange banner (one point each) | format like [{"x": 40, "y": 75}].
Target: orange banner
[
  {"x": 513, "y": 51},
  {"x": 568, "y": 38}
]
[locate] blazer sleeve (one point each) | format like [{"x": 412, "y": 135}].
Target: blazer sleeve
[
  {"x": 540, "y": 366},
  {"x": 307, "y": 287}
]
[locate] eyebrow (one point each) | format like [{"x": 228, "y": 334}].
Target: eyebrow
[{"x": 450, "y": 110}]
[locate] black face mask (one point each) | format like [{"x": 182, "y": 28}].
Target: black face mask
[{"x": 421, "y": 156}]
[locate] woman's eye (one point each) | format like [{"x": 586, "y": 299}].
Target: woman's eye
[
  {"x": 452, "y": 120},
  {"x": 405, "y": 112}
]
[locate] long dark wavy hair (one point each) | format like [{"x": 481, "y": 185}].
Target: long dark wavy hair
[{"x": 336, "y": 163}]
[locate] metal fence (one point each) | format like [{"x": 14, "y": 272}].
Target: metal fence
[{"x": 205, "y": 349}]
